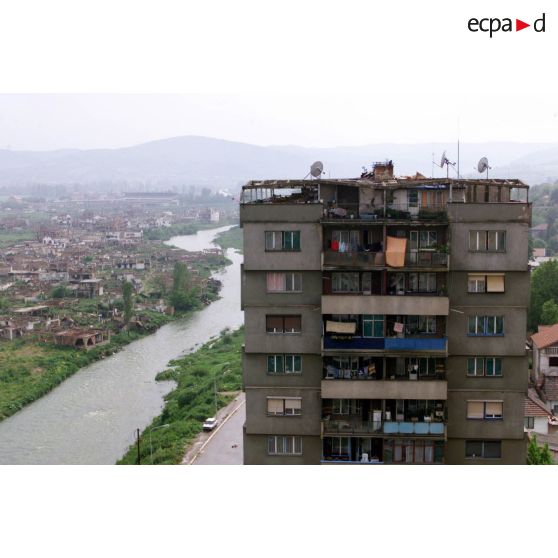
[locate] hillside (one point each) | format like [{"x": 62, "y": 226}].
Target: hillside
[{"x": 218, "y": 163}]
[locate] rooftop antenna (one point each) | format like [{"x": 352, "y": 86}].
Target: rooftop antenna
[
  {"x": 445, "y": 161},
  {"x": 483, "y": 166},
  {"x": 316, "y": 170}
]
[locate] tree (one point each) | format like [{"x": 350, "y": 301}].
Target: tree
[
  {"x": 127, "y": 290},
  {"x": 182, "y": 296},
  {"x": 537, "y": 455},
  {"x": 549, "y": 313},
  {"x": 60, "y": 292},
  {"x": 180, "y": 277},
  {"x": 544, "y": 287}
]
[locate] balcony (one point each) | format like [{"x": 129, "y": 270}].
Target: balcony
[
  {"x": 383, "y": 428},
  {"x": 393, "y": 344},
  {"x": 430, "y": 260},
  {"x": 388, "y": 305},
  {"x": 350, "y": 213},
  {"x": 353, "y": 259},
  {"x": 434, "y": 388}
]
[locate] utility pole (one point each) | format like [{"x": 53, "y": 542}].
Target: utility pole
[{"x": 138, "y": 460}]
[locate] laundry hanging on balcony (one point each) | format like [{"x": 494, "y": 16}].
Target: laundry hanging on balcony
[{"x": 395, "y": 251}]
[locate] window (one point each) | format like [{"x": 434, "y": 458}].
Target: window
[
  {"x": 487, "y": 241},
  {"x": 346, "y": 407},
  {"x": 529, "y": 423},
  {"x": 483, "y": 449},
  {"x": 283, "y": 324},
  {"x": 284, "y": 282},
  {"x": 416, "y": 325},
  {"x": 484, "y": 366},
  {"x": 345, "y": 241},
  {"x": 293, "y": 364},
  {"x": 284, "y": 406},
  {"x": 552, "y": 361},
  {"x": 428, "y": 240},
  {"x": 413, "y": 451},
  {"x": 284, "y": 241},
  {"x": 486, "y": 325},
  {"x": 345, "y": 282},
  {"x": 284, "y": 364},
  {"x": 493, "y": 283},
  {"x": 485, "y": 410},
  {"x": 275, "y": 364},
  {"x": 413, "y": 198},
  {"x": 284, "y": 445},
  {"x": 372, "y": 325}
]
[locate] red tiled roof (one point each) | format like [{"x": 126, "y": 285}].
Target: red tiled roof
[
  {"x": 547, "y": 336},
  {"x": 550, "y": 387},
  {"x": 534, "y": 407}
]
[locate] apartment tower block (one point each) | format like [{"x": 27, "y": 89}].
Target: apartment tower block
[{"x": 385, "y": 320}]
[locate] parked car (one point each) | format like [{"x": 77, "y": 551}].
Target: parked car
[{"x": 210, "y": 423}]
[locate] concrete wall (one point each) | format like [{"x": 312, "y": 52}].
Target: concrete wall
[
  {"x": 281, "y": 213},
  {"x": 382, "y": 389},
  {"x": 255, "y": 452},
  {"x": 255, "y": 372},
  {"x": 258, "y": 422},
  {"x": 258, "y": 341},
  {"x": 510, "y": 427},
  {"x": 514, "y": 375},
  {"x": 514, "y": 258},
  {"x": 516, "y": 283},
  {"x": 511, "y": 343},
  {"x": 390, "y": 305},
  {"x": 254, "y": 290},
  {"x": 514, "y": 452},
  {"x": 308, "y": 258}
]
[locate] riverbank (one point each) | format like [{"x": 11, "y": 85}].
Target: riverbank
[
  {"x": 231, "y": 239},
  {"x": 216, "y": 364},
  {"x": 183, "y": 229},
  {"x": 30, "y": 369}
]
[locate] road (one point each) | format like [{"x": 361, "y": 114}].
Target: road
[{"x": 224, "y": 445}]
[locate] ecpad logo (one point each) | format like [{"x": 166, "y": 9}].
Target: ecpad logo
[{"x": 493, "y": 25}]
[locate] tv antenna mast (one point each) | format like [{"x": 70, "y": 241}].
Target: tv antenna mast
[{"x": 483, "y": 166}]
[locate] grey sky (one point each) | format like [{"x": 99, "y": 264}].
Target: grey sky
[{"x": 292, "y": 72}]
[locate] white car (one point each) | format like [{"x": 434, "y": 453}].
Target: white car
[{"x": 210, "y": 423}]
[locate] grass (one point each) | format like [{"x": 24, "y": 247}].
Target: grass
[
  {"x": 192, "y": 401},
  {"x": 10, "y": 238},
  {"x": 231, "y": 239},
  {"x": 167, "y": 233}
]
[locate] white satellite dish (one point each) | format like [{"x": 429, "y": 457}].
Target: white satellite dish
[
  {"x": 483, "y": 166},
  {"x": 443, "y": 160},
  {"x": 316, "y": 169}
]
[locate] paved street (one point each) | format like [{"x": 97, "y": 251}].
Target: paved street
[{"x": 224, "y": 446}]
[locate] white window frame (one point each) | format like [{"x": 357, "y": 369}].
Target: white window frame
[{"x": 284, "y": 445}]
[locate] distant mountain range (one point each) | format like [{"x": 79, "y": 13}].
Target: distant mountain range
[{"x": 202, "y": 161}]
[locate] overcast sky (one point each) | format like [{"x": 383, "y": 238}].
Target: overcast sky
[{"x": 304, "y": 73}]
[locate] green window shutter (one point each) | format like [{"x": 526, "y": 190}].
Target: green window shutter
[{"x": 296, "y": 240}]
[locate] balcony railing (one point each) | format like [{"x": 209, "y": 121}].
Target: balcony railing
[
  {"x": 361, "y": 258},
  {"x": 392, "y": 212},
  {"x": 332, "y": 373},
  {"x": 390, "y": 428},
  {"x": 386, "y": 343}
]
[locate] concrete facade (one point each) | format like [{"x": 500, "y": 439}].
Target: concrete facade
[{"x": 383, "y": 385}]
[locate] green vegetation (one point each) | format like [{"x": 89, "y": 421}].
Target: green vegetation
[
  {"x": 128, "y": 301},
  {"x": 545, "y": 210},
  {"x": 9, "y": 238},
  {"x": 61, "y": 292},
  {"x": 217, "y": 363},
  {"x": 231, "y": 239},
  {"x": 544, "y": 289},
  {"x": 537, "y": 455},
  {"x": 183, "y": 297}
]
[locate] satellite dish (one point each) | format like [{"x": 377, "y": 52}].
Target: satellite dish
[
  {"x": 444, "y": 160},
  {"x": 483, "y": 165},
  {"x": 316, "y": 169}
]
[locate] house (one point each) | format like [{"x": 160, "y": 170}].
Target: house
[
  {"x": 545, "y": 352},
  {"x": 82, "y": 338},
  {"x": 537, "y": 414}
]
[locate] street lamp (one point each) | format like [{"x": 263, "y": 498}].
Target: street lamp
[{"x": 150, "y": 444}]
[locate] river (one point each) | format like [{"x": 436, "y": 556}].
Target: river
[{"x": 91, "y": 417}]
